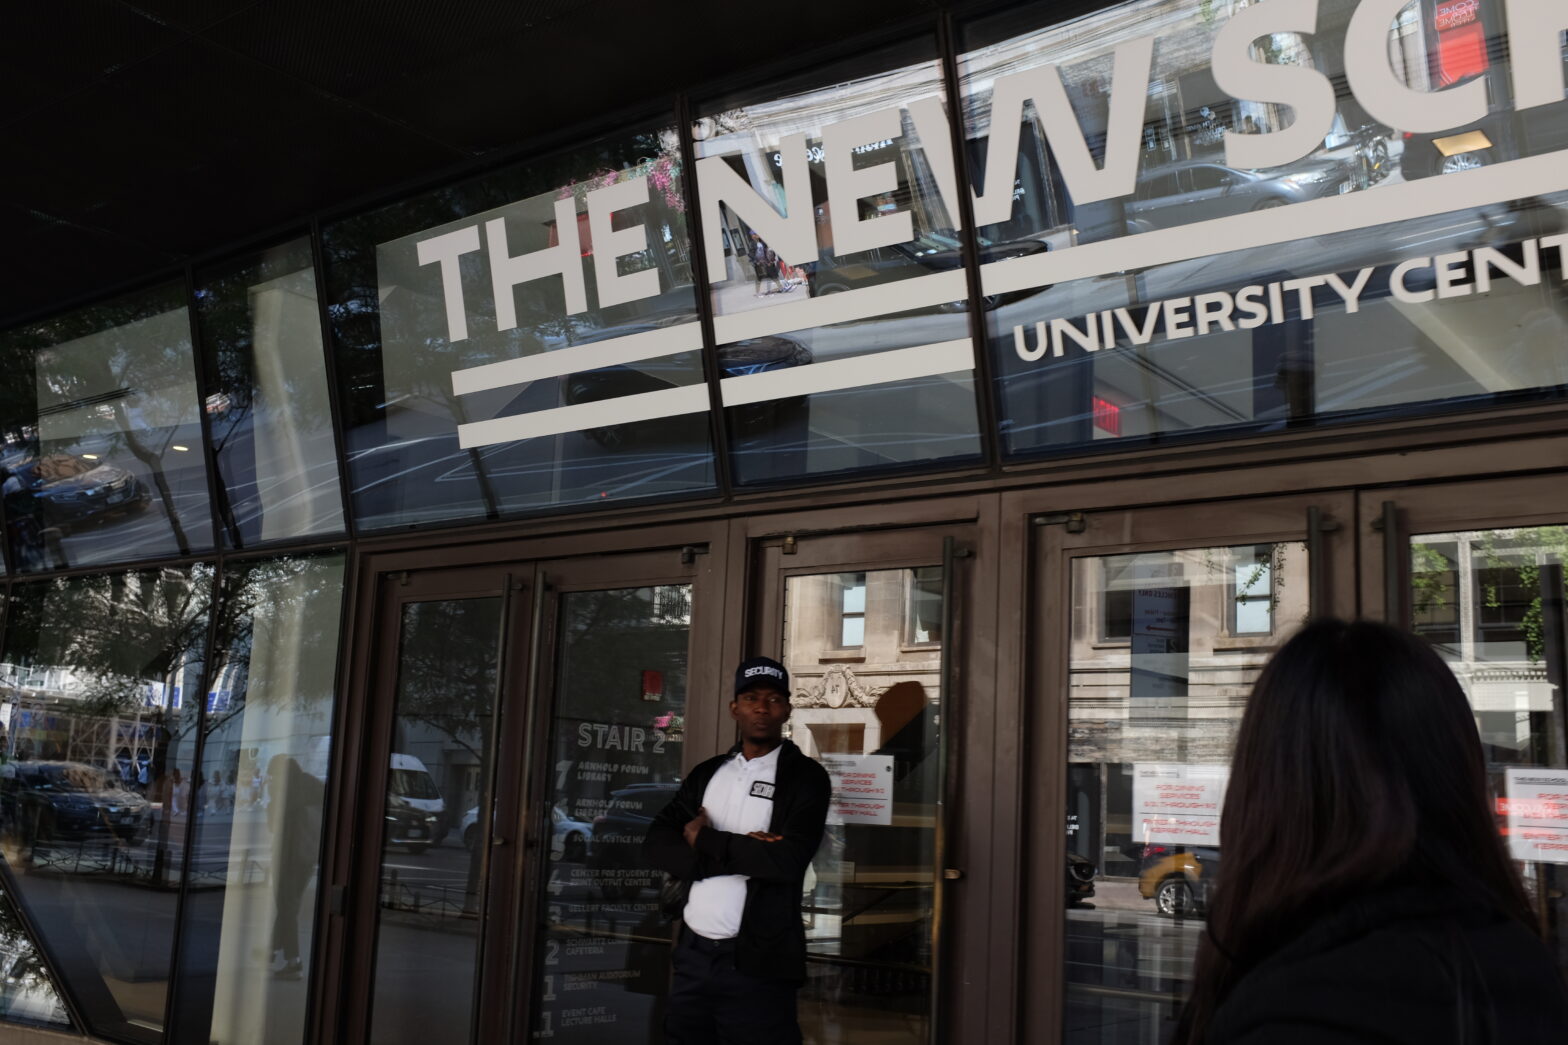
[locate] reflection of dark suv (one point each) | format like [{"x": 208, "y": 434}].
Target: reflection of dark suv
[
  {"x": 56, "y": 801},
  {"x": 618, "y": 834}
]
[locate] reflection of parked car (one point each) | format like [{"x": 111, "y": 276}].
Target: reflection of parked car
[
  {"x": 415, "y": 809},
  {"x": 1080, "y": 879},
  {"x": 618, "y": 833},
  {"x": 569, "y": 840},
  {"x": 1178, "y": 879},
  {"x": 1182, "y": 193},
  {"x": 60, "y": 489},
  {"x": 55, "y": 801},
  {"x": 751, "y": 356}
]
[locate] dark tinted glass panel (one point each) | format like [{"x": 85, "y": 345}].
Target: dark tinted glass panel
[
  {"x": 618, "y": 729},
  {"x": 100, "y": 679},
  {"x": 248, "y": 919},
  {"x": 267, "y": 398},
  {"x": 101, "y": 431},
  {"x": 837, "y": 271},
  {"x": 1220, "y": 263},
  {"x": 524, "y": 340},
  {"x": 436, "y": 822},
  {"x": 27, "y": 990}
]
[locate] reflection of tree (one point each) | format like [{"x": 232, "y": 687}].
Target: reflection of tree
[
  {"x": 447, "y": 669},
  {"x": 23, "y": 967},
  {"x": 607, "y": 639}
]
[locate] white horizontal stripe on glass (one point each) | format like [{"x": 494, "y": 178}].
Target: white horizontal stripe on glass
[
  {"x": 575, "y": 359},
  {"x": 875, "y": 368},
  {"x": 1380, "y": 205},
  {"x": 644, "y": 406}
]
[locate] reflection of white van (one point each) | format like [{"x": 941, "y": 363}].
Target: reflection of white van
[{"x": 416, "y": 814}]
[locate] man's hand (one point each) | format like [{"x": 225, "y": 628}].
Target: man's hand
[
  {"x": 764, "y": 836},
  {"x": 694, "y": 826}
]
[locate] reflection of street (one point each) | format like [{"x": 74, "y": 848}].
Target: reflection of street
[{"x": 1125, "y": 969}]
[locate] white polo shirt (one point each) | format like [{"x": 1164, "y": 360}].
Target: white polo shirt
[{"x": 738, "y": 799}]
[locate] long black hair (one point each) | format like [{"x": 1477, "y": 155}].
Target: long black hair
[{"x": 1357, "y": 765}]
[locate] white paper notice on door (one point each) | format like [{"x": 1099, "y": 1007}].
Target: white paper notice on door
[
  {"x": 862, "y": 788},
  {"x": 1537, "y": 810},
  {"x": 1178, "y": 804}
]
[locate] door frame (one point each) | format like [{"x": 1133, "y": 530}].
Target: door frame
[
  {"x": 1036, "y": 656},
  {"x": 343, "y": 946}
]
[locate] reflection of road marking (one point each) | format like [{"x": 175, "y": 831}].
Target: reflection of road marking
[
  {"x": 644, "y": 406},
  {"x": 619, "y": 351},
  {"x": 899, "y": 364}
]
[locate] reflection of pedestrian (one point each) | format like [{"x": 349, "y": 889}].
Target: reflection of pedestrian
[
  {"x": 1249, "y": 125},
  {"x": 294, "y": 818},
  {"x": 179, "y": 794},
  {"x": 1365, "y": 893},
  {"x": 763, "y": 267}
]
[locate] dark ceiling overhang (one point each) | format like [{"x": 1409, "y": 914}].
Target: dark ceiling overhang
[{"x": 142, "y": 134}]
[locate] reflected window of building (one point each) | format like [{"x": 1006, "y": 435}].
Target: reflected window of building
[
  {"x": 267, "y": 404},
  {"x": 101, "y": 688},
  {"x": 1252, "y": 591},
  {"x": 100, "y": 435},
  {"x": 841, "y": 305},
  {"x": 1137, "y": 151},
  {"x": 248, "y": 920},
  {"x": 923, "y": 607},
  {"x": 524, "y": 340},
  {"x": 851, "y": 610}
]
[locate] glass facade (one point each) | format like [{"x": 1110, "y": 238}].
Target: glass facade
[{"x": 1187, "y": 222}]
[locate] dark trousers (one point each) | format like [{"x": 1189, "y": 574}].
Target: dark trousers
[{"x": 711, "y": 1003}]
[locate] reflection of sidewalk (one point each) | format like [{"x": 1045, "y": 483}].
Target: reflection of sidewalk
[{"x": 741, "y": 296}]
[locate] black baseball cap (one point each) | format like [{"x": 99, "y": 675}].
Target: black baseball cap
[{"x": 765, "y": 670}]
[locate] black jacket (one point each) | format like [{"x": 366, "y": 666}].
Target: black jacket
[
  {"x": 772, "y": 940},
  {"x": 1417, "y": 965}
]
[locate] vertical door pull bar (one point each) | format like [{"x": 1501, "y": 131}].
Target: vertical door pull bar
[{"x": 1317, "y": 560}]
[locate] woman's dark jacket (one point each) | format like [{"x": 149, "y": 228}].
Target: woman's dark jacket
[
  {"x": 772, "y": 940},
  {"x": 1417, "y": 965}
]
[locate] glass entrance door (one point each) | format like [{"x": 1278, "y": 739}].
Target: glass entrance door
[
  {"x": 1154, "y": 624},
  {"x": 865, "y": 626},
  {"x": 1477, "y": 569}
]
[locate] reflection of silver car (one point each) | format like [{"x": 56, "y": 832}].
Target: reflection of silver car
[
  {"x": 569, "y": 839},
  {"x": 1182, "y": 193}
]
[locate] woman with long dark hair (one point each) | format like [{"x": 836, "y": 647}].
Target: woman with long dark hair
[{"x": 1366, "y": 895}]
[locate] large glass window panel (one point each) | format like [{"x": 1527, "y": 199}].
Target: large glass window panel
[
  {"x": 615, "y": 758},
  {"x": 874, "y": 721},
  {"x": 267, "y": 398},
  {"x": 101, "y": 431},
  {"x": 436, "y": 815},
  {"x": 1197, "y": 283},
  {"x": 245, "y": 955},
  {"x": 524, "y": 340},
  {"x": 1164, "y": 649},
  {"x": 1492, "y": 601},
  {"x": 100, "y": 682},
  {"x": 837, "y": 275}
]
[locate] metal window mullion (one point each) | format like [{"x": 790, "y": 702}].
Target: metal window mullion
[
  {"x": 718, "y": 432},
  {"x": 215, "y": 603},
  {"x": 947, "y": 36},
  {"x": 217, "y": 491},
  {"x": 328, "y": 345}
]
